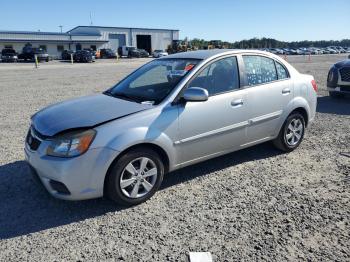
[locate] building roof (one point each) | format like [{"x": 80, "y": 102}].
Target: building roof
[
  {"x": 119, "y": 27},
  {"x": 47, "y": 33}
]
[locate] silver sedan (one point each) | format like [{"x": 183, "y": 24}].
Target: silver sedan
[{"x": 170, "y": 113}]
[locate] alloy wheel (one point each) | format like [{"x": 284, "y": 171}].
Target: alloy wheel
[
  {"x": 294, "y": 132},
  {"x": 138, "y": 177}
]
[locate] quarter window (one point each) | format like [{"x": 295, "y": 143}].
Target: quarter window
[
  {"x": 259, "y": 70},
  {"x": 218, "y": 77},
  {"x": 281, "y": 71}
]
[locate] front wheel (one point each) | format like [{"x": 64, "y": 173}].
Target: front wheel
[
  {"x": 135, "y": 177},
  {"x": 291, "y": 133}
]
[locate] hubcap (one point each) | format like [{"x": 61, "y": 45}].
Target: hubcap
[
  {"x": 294, "y": 132},
  {"x": 138, "y": 177}
]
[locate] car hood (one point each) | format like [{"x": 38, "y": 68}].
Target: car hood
[
  {"x": 343, "y": 63},
  {"x": 83, "y": 112}
]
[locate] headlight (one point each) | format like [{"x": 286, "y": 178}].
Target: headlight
[{"x": 71, "y": 144}]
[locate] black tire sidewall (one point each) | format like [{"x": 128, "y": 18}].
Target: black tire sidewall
[
  {"x": 113, "y": 183},
  {"x": 285, "y": 127}
]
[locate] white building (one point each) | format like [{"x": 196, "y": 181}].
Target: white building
[
  {"x": 94, "y": 37},
  {"x": 143, "y": 38}
]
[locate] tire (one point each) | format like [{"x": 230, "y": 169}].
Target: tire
[
  {"x": 120, "y": 172},
  {"x": 335, "y": 94},
  {"x": 287, "y": 140}
]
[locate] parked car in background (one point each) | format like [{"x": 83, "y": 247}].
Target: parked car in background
[
  {"x": 66, "y": 54},
  {"x": 107, "y": 53},
  {"x": 276, "y": 51},
  {"x": 172, "y": 112},
  {"x": 159, "y": 53},
  {"x": 332, "y": 51},
  {"x": 124, "y": 50},
  {"x": 8, "y": 55},
  {"x": 83, "y": 56},
  {"x": 92, "y": 51},
  {"x": 138, "y": 53},
  {"x": 29, "y": 53},
  {"x": 338, "y": 80},
  {"x": 131, "y": 51}
]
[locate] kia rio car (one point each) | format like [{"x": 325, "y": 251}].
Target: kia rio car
[{"x": 172, "y": 112}]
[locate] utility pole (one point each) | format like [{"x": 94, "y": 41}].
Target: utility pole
[
  {"x": 91, "y": 19},
  {"x": 61, "y": 26}
]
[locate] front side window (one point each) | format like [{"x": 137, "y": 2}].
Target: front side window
[
  {"x": 259, "y": 69},
  {"x": 218, "y": 77},
  {"x": 154, "y": 81}
]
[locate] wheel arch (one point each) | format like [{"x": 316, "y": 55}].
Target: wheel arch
[
  {"x": 159, "y": 150},
  {"x": 303, "y": 112}
]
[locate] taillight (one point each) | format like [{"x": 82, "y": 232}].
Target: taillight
[{"x": 314, "y": 85}]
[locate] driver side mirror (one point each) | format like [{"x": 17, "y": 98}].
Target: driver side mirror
[{"x": 195, "y": 94}]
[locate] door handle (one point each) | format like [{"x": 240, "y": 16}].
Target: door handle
[
  {"x": 237, "y": 103},
  {"x": 286, "y": 91}
]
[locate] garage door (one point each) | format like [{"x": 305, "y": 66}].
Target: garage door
[
  {"x": 116, "y": 40},
  {"x": 144, "y": 42}
]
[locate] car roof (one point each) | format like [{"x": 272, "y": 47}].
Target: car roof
[{"x": 205, "y": 54}]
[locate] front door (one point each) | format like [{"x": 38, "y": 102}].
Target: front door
[{"x": 217, "y": 125}]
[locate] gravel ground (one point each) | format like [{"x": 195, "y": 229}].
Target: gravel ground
[{"x": 255, "y": 204}]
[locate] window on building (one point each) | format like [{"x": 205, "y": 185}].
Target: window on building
[
  {"x": 43, "y": 47},
  {"x": 93, "y": 47},
  {"x": 78, "y": 47},
  {"x": 259, "y": 69},
  {"x": 60, "y": 48}
]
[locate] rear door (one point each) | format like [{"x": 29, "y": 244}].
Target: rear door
[{"x": 269, "y": 90}]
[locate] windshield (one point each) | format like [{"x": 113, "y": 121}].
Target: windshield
[{"x": 154, "y": 81}]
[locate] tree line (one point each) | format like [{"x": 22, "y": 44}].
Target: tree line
[{"x": 267, "y": 43}]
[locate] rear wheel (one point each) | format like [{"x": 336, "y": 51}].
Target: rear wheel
[
  {"x": 291, "y": 133},
  {"x": 135, "y": 177}
]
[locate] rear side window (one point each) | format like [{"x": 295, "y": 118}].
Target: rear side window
[
  {"x": 281, "y": 71},
  {"x": 259, "y": 69}
]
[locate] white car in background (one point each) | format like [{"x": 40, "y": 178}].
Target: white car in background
[{"x": 159, "y": 53}]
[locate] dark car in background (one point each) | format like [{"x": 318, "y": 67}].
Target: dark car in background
[
  {"x": 107, "y": 53},
  {"x": 29, "y": 53},
  {"x": 131, "y": 51},
  {"x": 138, "y": 53},
  {"x": 338, "y": 80},
  {"x": 66, "y": 54},
  {"x": 92, "y": 51},
  {"x": 9, "y": 55},
  {"x": 83, "y": 56}
]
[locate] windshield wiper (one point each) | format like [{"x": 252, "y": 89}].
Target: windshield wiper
[{"x": 123, "y": 96}]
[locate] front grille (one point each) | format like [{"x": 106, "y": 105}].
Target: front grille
[
  {"x": 345, "y": 74},
  {"x": 33, "y": 139}
]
